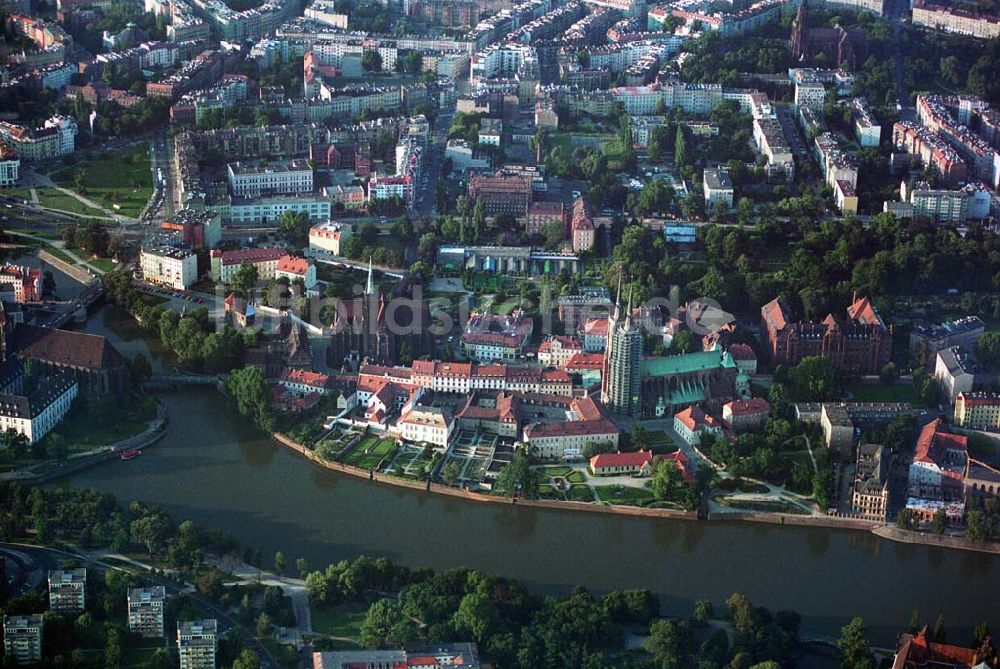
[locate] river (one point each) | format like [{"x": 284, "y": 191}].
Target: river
[{"x": 215, "y": 469}]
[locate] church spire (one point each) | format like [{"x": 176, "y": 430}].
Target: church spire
[
  {"x": 618, "y": 298},
  {"x": 628, "y": 314},
  {"x": 370, "y": 287}
]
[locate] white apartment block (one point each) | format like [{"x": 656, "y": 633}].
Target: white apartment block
[
  {"x": 196, "y": 643},
  {"x": 169, "y": 266},
  {"x": 426, "y": 424},
  {"x": 36, "y": 415},
  {"x": 810, "y": 94},
  {"x": 145, "y": 610},
  {"x": 328, "y": 236},
  {"x": 68, "y": 590},
  {"x": 248, "y": 180},
  {"x": 268, "y": 210},
  {"x": 718, "y": 187},
  {"x": 22, "y": 638},
  {"x": 9, "y": 172},
  {"x": 866, "y": 128},
  {"x": 948, "y": 19}
]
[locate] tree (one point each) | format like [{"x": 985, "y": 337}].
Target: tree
[
  {"x": 245, "y": 279},
  {"x": 680, "y": 149},
  {"x": 684, "y": 342},
  {"x": 703, "y": 611},
  {"x": 940, "y": 634},
  {"x": 517, "y": 476},
  {"x": 987, "y": 348},
  {"x": 279, "y": 562},
  {"x": 666, "y": 478},
  {"x": 814, "y": 378},
  {"x": 852, "y": 647},
  {"x": 371, "y": 61},
  {"x": 905, "y": 520},
  {"x": 915, "y": 621},
  {"x": 248, "y": 387},
  {"x": 152, "y": 530},
  {"x": 384, "y": 623},
  {"x": 262, "y": 626},
  {"x": 940, "y": 522},
  {"x": 477, "y": 616},
  {"x": 889, "y": 373},
  {"x": 451, "y": 473},
  {"x": 247, "y": 659},
  {"x": 670, "y": 642},
  {"x": 302, "y": 567}
]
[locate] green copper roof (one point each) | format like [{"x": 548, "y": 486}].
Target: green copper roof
[{"x": 686, "y": 363}]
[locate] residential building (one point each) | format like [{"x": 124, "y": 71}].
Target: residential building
[
  {"x": 304, "y": 382},
  {"x": 769, "y": 138},
  {"x": 195, "y": 229},
  {"x": 810, "y": 94},
  {"x": 269, "y": 210},
  {"x": 845, "y": 197},
  {"x": 225, "y": 264},
  {"x": 556, "y": 350},
  {"x": 636, "y": 463},
  {"x": 22, "y": 638},
  {"x": 145, "y": 610},
  {"x": 10, "y": 167},
  {"x": 489, "y": 337},
  {"x": 977, "y": 410},
  {"x": 68, "y": 590},
  {"x": 53, "y": 139},
  {"x": 838, "y": 428},
  {"x": 502, "y": 193},
  {"x": 196, "y": 643},
  {"x": 718, "y": 187},
  {"x": 954, "y": 371},
  {"x": 254, "y": 180},
  {"x": 328, "y": 236},
  {"x": 497, "y": 413},
  {"x": 866, "y": 128},
  {"x": 955, "y": 20},
  {"x": 745, "y": 357},
  {"x": 424, "y": 424},
  {"x": 621, "y": 379},
  {"x": 956, "y": 206},
  {"x": 295, "y": 268},
  {"x": 595, "y": 334},
  {"x": 169, "y": 266},
  {"x": 34, "y": 415},
  {"x": 584, "y": 424},
  {"x": 692, "y": 424},
  {"x": 870, "y": 491},
  {"x": 490, "y": 131},
  {"x": 935, "y": 477},
  {"x": 861, "y": 342},
  {"x": 441, "y": 656},
  {"x": 929, "y": 339},
  {"x": 240, "y": 310},
  {"x": 920, "y": 651},
  {"x": 465, "y": 157},
  {"x": 576, "y": 310},
  {"x": 26, "y": 282},
  {"x": 746, "y": 415},
  {"x": 543, "y": 215}
]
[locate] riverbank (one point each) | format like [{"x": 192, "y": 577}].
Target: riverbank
[
  {"x": 942, "y": 540},
  {"x": 156, "y": 430},
  {"x": 833, "y": 522}
]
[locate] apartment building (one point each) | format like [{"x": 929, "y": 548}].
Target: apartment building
[
  {"x": 225, "y": 264},
  {"x": 169, "y": 266},
  {"x": 431, "y": 425},
  {"x": 196, "y": 643},
  {"x": 718, "y": 187},
  {"x": 145, "y": 610},
  {"x": 977, "y": 410},
  {"x": 502, "y": 193},
  {"x": 954, "y": 20},
  {"x": 22, "y": 638},
  {"x": 328, "y": 236},
  {"x": 68, "y": 590},
  {"x": 254, "y": 180}
]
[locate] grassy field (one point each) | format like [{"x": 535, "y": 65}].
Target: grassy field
[
  {"x": 377, "y": 450},
  {"x": 19, "y": 193},
  {"x": 982, "y": 447},
  {"x": 118, "y": 178},
  {"x": 103, "y": 264},
  {"x": 877, "y": 392},
  {"x": 53, "y": 199},
  {"x": 616, "y": 494},
  {"x": 580, "y": 493},
  {"x": 342, "y": 620}
]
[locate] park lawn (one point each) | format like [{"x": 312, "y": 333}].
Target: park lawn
[
  {"x": 628, "y": 495},
  {"x": 580, "y": 493},
  {"x": 19, "y": 193},
  {"x": 576, "y": 476},
  {"x": 103, "y": 264},
  {"x": 546, "y": 491},
  {"x": 53, "y": 199},
  {"x": 117, "y": 177},
  {"x": 878, "y": 392},
  {"x": 341, "y": 620},
  {"x": 380, "y": 448},
  {"x": 81, "y": 432},
  {"x": 555, "y": 472}
]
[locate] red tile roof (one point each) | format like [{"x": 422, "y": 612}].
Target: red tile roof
[
  {"x": 632, "y": 459},
  {"x": 585, "y": 361},
  {"x": 305, "y": 377},
  {"x": 251, "y": 256},
  {"x": 746, "y": 407},
  {"x": 742, "y": 352},
  {"x": 693, "y": 418},
  {"x": 679, "y": 459},
  {"x": 292, "y": 265},
  {"x": 932, "y": 442}
]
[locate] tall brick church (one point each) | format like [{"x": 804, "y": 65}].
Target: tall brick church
[{"x": 860, "y": 343}]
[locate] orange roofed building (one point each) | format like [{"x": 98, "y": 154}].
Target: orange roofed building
[
  {"x": 917, "y": 651},
  {"x": 861, "y": 342}
]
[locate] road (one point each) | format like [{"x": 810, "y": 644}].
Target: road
[
  {"x": 426, "y": 195},
  {"x": 40, "y": 559}
]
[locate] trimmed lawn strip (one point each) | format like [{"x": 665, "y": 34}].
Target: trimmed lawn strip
[
  {"x": 616, "y": 494},
  {"x": 342, "y": 620}
]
